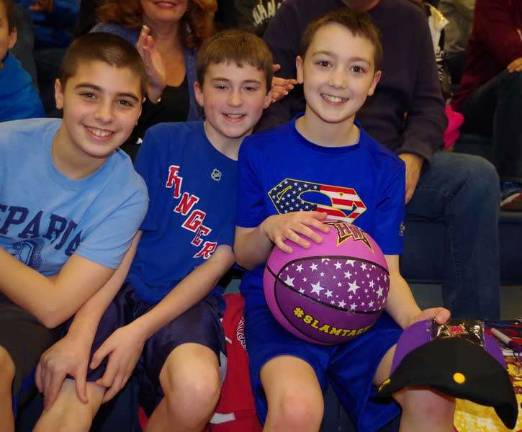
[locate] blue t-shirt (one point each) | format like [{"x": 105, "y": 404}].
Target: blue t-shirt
[
  {"x": 280, "y": 172},
  {"x": 19, "y": 98},
  {"x": 46, "y": 217},
  {"x": 192, "y": 188}
]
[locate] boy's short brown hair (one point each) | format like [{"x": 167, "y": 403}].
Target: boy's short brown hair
[
  {"x": 235, "y": 46},
  {"x": 104, "y": 47},
  {"x": 10, "y": 14},
  {"x": 358, "y": 23}
]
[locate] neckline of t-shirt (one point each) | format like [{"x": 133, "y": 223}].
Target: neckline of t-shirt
[
  {"x": 214, "y": 149},
  {"x": 323, "y": 149},
  {"x": 58, "y": 176}
]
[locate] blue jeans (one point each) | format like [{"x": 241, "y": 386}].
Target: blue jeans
[
  {"x": 462, "y": 192},
  {"x": 493, "y": 110}
]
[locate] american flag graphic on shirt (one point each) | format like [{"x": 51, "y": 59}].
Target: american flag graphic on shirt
[
  {"x": 347, "y": 284},
  {"x": 344, "y": 202}
]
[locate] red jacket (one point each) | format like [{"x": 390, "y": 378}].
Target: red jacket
[{"x": 495, "y": 41}]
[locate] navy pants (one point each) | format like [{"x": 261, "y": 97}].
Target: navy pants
[
  {"x": 462, "y": 192},
  {"x": 494, "y": 110}
]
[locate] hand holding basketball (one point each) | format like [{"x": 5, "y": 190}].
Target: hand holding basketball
[{"x": 296, "y": 227}]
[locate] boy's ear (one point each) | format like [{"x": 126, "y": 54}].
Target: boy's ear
[
  {"x": 13, "y": 36},
  {"x": 299, "y": 66},
  {"x": 375, "y": 81},
  {"x": 268, "y": 99},
  {"x": 198, "y": 93},
  {"x": 58, "y": 94}
]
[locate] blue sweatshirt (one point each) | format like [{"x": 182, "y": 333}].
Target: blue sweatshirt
[{"x": 18, "y": 97}]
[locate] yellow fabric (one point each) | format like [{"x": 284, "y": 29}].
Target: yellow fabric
[{"x": 471, "y": 417}]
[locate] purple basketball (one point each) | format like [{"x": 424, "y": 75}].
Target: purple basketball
[{"x": 332, "y": 291}]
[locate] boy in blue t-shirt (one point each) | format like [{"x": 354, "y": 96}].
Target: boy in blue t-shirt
[
  {"x": 172, "y": 294},
  {"x": 70, "y": 205},
  {"x": 18, "y": 97},
  {"x": 290, "y": 179}
]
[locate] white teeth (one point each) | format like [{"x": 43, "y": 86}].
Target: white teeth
[
  {"x": 100, "y": 133},
  {"x": 334, "y": 99},
  {"x": 234, "y": 116}
]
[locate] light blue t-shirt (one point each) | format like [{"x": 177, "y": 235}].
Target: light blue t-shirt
[{"x": 46, "y": 217}]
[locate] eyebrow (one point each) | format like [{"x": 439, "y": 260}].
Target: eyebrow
[
  {"x": 228, "y": 80},
  {"x": 89, "y": 86},
  {"x": 331, "y": 54}
]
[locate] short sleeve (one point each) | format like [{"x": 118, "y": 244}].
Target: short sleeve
[
  {"x": 250, "y": 203},
  {"x": 389, "y": 215},
  {"x": 148, "y": 165},
  {"x": 107, "y": 241}
]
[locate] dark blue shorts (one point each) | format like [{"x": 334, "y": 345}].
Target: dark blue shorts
[
  {"x": 200, "y": 324},
  {"x": 348, "y": 367}
]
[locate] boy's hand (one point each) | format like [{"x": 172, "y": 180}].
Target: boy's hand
[
  {"x": 438, "y": 314},
  {"x": 281, "y": 86},
  {"x": 154, "y": 65},
  {"x": 123, "y": 347},
  {"x": 296, "y": 227},
  {"x": 68, "y": 356}
]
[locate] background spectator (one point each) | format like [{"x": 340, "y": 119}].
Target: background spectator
[
  {"x": 167, "y": 38},
  {"x": 459, "y": 13},
  {"x": 490, "y": 96},
  {"x": 18, "y": 97}
]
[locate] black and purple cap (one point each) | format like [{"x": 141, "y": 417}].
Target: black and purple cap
[{"x": 458, "y": 359}]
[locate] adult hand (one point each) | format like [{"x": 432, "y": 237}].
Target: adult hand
[
  {"x": 295, "y": 226},
  {"x": 154, "y": 65},
  {"x": 438, "y": 314},
  {"x": 42, "y": 6},
  {"x": 515, "y": 65},
  {"x": 281, "y": 86},
  {"x": 123, "y": 348},
  {"x": 68, "y": 356},
  {"x": 413, "y": 164}
]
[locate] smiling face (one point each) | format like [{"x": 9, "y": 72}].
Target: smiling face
[
  {"x": 7, "y": 37},
  {"x": 163, "y": 11},
  {"x": 233, "y": 99},
  {"x": 101, "y": 105},
  {"x": 338, "y": 74}
]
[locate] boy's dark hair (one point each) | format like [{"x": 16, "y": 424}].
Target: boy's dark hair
[
  {"x": 235, "y": 46},
  {"x": 358, "y": 23},
  {"x": 10, "y": 14},
  {"x": 104, "y": 47}
]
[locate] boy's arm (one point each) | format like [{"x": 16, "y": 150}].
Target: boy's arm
[
  {"x": 70, "y": 355},
  {"x": 253, "y": 245},
  {"x": 52, "y": 300},
  {"x": 401, "y": 305},
  {"x": 124, "y": 346}
]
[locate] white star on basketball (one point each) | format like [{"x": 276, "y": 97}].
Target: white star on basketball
[
  {"x": 316, "y": 288},
  {"x": 353, "y": 287},
  {"x": 289, "y": 281}
]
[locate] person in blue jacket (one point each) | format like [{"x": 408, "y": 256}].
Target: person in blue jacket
[{"x": 18, "y": 97}]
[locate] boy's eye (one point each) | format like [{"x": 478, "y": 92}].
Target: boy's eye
[
  {"x": 251, "y": 88},
  {"x": 323, "y": 63},
  {"x": 88, "y": 95},
  {"x": 358, "y": 69},
  {"x": 219, "y": 86},
  {"x": 125, "y": 103}
]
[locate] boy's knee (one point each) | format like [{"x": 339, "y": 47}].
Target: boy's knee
[
  {"x": 297, "y": 411},
  {"x": 199, "y": 388},
  {"x": 427, "y": 404},
  {"x": 7, "y": 367}
]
